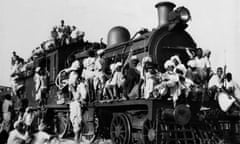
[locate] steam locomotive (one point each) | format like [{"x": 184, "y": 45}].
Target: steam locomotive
[{"x": 150, "y": 121}]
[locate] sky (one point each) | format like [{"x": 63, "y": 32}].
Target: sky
[{"x": 24, "y": 24}]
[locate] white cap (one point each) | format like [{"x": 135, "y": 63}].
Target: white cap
[
  {"x": 75, "y": 65},
  {"x": 182, "y": 68},
  {"x": 100, "y": 51},
  {"x": 176, "y": 57},
  {"x": 146, "y": 59},
  {"x": 118, "y": 64},
  {"x": 168, "y": 63}
]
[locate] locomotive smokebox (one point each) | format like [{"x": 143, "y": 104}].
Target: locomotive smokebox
[
  {"x": 118, "y": 35},
  {"x": 163, "y": 9}
]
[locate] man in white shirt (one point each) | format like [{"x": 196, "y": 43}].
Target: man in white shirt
[
  {"x": 215, "y": 83},
  {"x": 100, "y": 76},
  {"x": 232, "y": 88},
  {"x": 171, "y": 80},
  {"x": 217, "y": 79}
]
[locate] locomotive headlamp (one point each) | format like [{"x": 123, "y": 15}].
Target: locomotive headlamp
[{"x": 184, "y": 14}]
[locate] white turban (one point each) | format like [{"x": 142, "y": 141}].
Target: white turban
[
  {"x": 168, "y": 63},
  {"x": 176, "y": 58},
  {"x": 118, "y": 64},
  {"x": 146, "y": 59},
  {"x": 74, "y": 66},
  {"x": 182, "y": 68}
]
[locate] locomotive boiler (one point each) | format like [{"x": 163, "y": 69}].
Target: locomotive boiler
[{"x": 151, "y": 121}]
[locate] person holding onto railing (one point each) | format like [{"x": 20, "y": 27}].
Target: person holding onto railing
[
  {"x": 40, "y": 86},
  {"x": 73, "y": 76},
  {"x": 79, "y": 98}
]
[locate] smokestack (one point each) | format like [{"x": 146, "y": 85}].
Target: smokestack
[{"x": 163, "y": 9}]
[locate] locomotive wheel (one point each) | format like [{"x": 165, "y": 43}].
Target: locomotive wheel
[
  {"x": 61, "y": 125},
  {"x": 149, "y": 132},
  {"x": 120, "y": 129}
]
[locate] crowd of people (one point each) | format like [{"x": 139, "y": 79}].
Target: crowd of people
[
  {"x": 89, "y": 80},
  {"x": 18, "y": 127},
  {"x": 61, "y": 35},
  {"x": 192, "y": 83}
]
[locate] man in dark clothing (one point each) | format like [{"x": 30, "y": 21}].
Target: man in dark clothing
[{"x": 132, "y": 77}]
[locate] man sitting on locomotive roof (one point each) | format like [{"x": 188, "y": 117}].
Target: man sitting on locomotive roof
[
  {"x": 178, "y": 63},
  {"x": 232, "y": 88},
  {"x": 185, "y": 84},
  {"x": 14, "y": 58},
  {"x": 150, "y": 79},
  {"x": 132, "y": 78},
  {"x": 170, "y": 80},
  {"x": 61, "y": 29},
  {"x": 216, "y": 82},
  {"x": 55, "y": 36},
  {"x": 193, "y": 73},
  {"x": 114, "y": 84}
]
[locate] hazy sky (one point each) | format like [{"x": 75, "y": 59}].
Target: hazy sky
[{"x": 24, "y": 24}]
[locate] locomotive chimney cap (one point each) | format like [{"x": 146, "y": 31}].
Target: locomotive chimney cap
[{"x": 168, "y": 4}]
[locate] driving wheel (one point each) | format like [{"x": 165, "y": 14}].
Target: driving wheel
[
  {"x": 120, "y": 129},
  {"x": 149, "y": 132}
]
